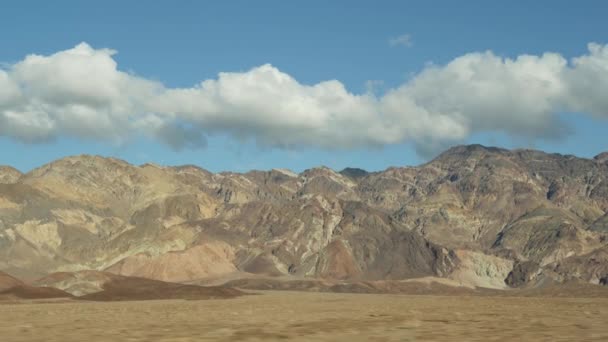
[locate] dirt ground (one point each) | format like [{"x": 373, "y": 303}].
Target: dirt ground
[{"x": 301, "y": 316}]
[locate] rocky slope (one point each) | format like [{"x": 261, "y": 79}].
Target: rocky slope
[
  {"x": 479, "y": 216},
  {"x": 9, "y": 175},
  {"x": 103, "y": 286},
  {"x": 7, "y": 281}
]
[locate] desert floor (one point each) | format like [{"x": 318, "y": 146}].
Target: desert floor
[{"x": 303, "y": 316}]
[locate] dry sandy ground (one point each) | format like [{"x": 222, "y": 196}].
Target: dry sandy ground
[{"x": 303, "y": 316}]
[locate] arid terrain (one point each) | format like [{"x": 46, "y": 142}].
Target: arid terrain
[
  {"x": 478, "y": 216},
  {"x": 478, "y": 244},
  {"x": 305, "y": 316},
  {"x": 303, "y": 171}
]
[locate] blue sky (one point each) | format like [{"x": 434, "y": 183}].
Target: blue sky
[{"x": 181, "y": 43}]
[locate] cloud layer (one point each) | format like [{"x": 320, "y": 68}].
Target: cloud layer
[{"x": 81, "y": 93}]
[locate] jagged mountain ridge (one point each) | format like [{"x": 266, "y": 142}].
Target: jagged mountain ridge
[{"x": 482, "y": 216}]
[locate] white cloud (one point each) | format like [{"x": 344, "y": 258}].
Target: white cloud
[
  {"x": 402, "y": 40},
  {"x": 486, "y": 92},
  {"x": 9, "y": 90},
  {"x": 372, "y": 86},
  {"x": 78, "y": 92},
  {"x": 587, "y": 82},
  {"x": 81, "y": 93}
]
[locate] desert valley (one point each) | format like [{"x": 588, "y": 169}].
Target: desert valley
[
  {"x": 477, "y": 238},
  {"x": 305, "y": 171}
]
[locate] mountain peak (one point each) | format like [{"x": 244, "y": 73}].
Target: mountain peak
[
  {"x": 319, "y": 170},
  {"x": 354, "y": 172},
  {"x": 602, "y": 157},
  {"x": 472, "y": 148},
  {"x": 87, "y": 161},
  {"x": 468, "y": 151},
  {"x": 9, "y": 174}
]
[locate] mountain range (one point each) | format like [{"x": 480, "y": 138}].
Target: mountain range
[{"x": 475, "y": 216}]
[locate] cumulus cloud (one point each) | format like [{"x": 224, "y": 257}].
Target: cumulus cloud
[
  {"x": 402, "y": 40},
  {"x": 77, "y": 92},
  {"x": 587, "y": 82},
  {"x": 81, "y": 93}
]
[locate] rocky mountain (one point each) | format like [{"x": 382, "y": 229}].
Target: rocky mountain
[{"x": 477, "y": 216}]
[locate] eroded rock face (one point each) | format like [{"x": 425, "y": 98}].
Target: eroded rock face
[
  {"x": 479, "y": 216},
  {"x": 9, "y": 175},
  {"x": 522, "y": 273}
]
